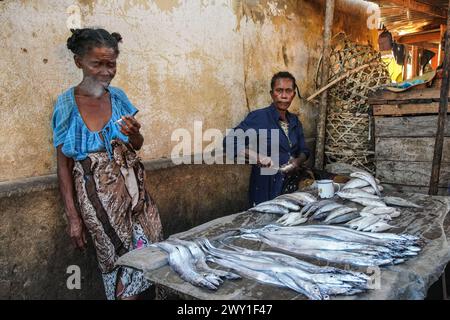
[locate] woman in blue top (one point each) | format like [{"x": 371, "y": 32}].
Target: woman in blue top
[
  {"x": 290, "y": 140},
  {"x": 96, "y": 135}
]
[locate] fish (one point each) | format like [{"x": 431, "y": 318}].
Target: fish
[
  {"x": 369, "y": 202},
  {"x": 314, "y": 206},
  {"x": 344, "y": 218},
  {"x": 339, "y": 212},
  {"x": 355, "y": 183},
  {"x": 271, "y": 208},
  {"x": 287, "y": 203},
  {"x": 342, "y": 275},
  {"x": 395, "y": 245},
  {"x": 366, "y": 222},
  {"x": 200, "y": 260},
  {"x": 367, "y": 177},
  {"x": 323, "y": 212},
  {"x": 378, "y": 210},
  {"x": 292, "y": 219},
  {"x": 355, "y": 193},
  {"x": 378, "y": 227},
  {"x": 184, "y": 268},
  {"x": 264, "y": 270},
  {"x": 370, "y": 190},
  {"x": 303, "y": 197},
  {"x": 397, "y": 201}
]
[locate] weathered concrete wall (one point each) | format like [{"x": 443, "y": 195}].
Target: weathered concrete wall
[
  {"x": 180, "y": 61},
  {"x": 36, "y": 251}
]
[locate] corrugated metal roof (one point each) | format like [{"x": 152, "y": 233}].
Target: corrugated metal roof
[{"x": 400, "y": 20}]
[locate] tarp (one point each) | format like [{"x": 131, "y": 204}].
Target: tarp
[{"x": 410, "y": 280}]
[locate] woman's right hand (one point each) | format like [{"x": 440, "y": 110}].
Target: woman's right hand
[
  {"x": 264, "y": 162},
  {"x": 77, "y": 233}
]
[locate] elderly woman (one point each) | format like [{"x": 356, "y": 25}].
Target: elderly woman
[{"x": 96, "y": 135}]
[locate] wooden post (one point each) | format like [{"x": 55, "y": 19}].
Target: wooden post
[
  {"x": 405, "y": 63},
  {"x": 441, "y": 38},
  {"x": 321, "y": 125},
  {"x": 415, "y": 61},
  {"x": 442, "y": 119}
]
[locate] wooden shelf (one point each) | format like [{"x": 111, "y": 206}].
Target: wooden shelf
[{"x": 406, "y": 109}]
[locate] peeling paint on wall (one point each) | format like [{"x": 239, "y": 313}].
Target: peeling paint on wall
[
  {"x": 167, "y": 5},
  {"x": 180, "y": 61}
]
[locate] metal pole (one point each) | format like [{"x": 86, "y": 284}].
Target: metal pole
[
  {"x": 442, "y": 119},
  {"x": 321, "y": 125}
]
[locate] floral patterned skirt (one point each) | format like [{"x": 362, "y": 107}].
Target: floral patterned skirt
[{"x": 118, "y": 212}]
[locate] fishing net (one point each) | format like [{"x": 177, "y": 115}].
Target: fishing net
[{"x": 349, "y": 126}]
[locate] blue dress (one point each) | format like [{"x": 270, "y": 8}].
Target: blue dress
[{"x": 267, "y": 187}]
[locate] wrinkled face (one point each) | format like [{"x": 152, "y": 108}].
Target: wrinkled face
[
  {"x": 98, "y": 64},
  {"x": 283, "y": 93}
]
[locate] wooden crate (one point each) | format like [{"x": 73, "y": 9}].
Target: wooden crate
[{"x": 405, "y": 129}]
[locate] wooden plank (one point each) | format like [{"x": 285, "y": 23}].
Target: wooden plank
[
  {"x": 428, "y": 9},
  {"x": 425, "y": 94},
  {"x": 404, "y": 109},
  {"x": 410, "y": 173},
  {"x": 418, "y": 126},
  {"x": 417, "y": 37},
  {"x": 408, "y": 149}
]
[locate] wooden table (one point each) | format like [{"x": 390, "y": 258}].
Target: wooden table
[{"x": 409, "y": 280}]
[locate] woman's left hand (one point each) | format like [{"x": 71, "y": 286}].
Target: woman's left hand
[{"x": 129, "y": 126}]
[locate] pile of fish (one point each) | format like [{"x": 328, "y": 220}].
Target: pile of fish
[
  {"x": 282, "y": 270},
  {"x": 338, "y": 244},
  {"x": 188, "y": 260},
  {"x": 374, "y": 217},
  {"x": 332, "y": 244},
  {"x": 301, "y": 207},
  {"x": 285, "y": 203}
]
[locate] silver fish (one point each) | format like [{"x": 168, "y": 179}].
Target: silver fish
[
  {"x": 369, "y": 178},
  {"x": 200, "y": 260},
  {"x": 184, "y": 268},
  {"x": 264, "y": 271},
  {"x": 322, "y": 212},
  {"x": 355, "y": 193},
  {"x": 378, "y": 227},
  {"x": 303, "y": 197},
  {"x": 339, "y": 212},
  {"x": 282, "y": 202},
  {"x": 366, "y": 222},
  {"x": 370, "y": 190},
  {"x": 344, "y": 218},
  {"x": 379, "y": 210},
  {"x": 355, "y": 183},
  {"x": 292, "y": 219},
  {"x": 271, "y": 208},
  {"x": 313, "y": 207},
  {"x": 369, "y": 202},
  {"x": 396, "y": 201}
]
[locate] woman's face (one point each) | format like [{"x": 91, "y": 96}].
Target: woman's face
[
  {"x": 283, "y": 93},
  {"x": 98, "y": 64}
]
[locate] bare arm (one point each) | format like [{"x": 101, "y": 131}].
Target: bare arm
[{"x": 66, "y": 187}]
